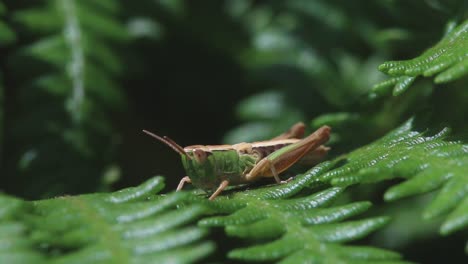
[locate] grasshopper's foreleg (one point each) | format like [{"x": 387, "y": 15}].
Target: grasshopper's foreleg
[
  {"x": 182, "y": 182},
  {"x": 221, "y": 187}
]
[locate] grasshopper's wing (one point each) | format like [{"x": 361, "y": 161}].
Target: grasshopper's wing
[
  {"x": 284, "y": 158},
  {"x": 296, "y": 131}
]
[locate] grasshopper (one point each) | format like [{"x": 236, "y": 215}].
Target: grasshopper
[{"x": 213, "y": 168}]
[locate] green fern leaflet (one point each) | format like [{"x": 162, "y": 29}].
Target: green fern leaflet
[
  {"x": 299, "y": 228},
  {"x": 128, "y": 226},
  {"x": 428, "y": 160},
  {"x": 448, "y": 59}
]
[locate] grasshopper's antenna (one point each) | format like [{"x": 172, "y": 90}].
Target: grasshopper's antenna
[{"x": 171, "y": 143}]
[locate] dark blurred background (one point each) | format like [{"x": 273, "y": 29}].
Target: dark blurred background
[{"x": 80, "y": 81}]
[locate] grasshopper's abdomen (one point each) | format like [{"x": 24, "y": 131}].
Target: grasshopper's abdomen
[{"x": 207, "y": 169}]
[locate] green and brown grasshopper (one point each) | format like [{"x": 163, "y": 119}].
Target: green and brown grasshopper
[{"x": 213, "y": 168}]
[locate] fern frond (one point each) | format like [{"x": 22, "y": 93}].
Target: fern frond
[
  {"x": 128, "y": 226},
  {"x": 297, "y": 227},
  {"x": 72, "y": 84},
  {"x": 448, "y": 60},
  {"x": 428, "y": 161}
]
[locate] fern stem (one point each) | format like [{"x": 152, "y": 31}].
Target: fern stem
[{"x": 73, "y": 37}]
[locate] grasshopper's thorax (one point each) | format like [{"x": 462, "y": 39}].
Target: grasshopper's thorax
[{"x": 207, "y": 168}]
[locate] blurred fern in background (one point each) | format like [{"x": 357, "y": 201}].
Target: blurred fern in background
[
  {"x": 62, "y": 88},
  {"x": 80, "y": 79}
]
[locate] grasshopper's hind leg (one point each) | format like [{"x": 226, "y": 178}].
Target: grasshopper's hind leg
[
  {"x": 282, "y": 159},
  {"x": 296, "y": 131},
  {"x": 182, "y": 182},
  {"x": 221, "y": 187},
  {"x": 269, "y": 163}
]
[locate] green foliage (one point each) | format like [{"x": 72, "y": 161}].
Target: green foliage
[
  {"x": 136, "y": 226},
  {"x": 448, "y": 59},
  {"x": 427, "y": 160},
  {"x": 295, "y": 228},
  {"x": 424, "y": 154},
  {"x": 71, "y": 84},
  {"x": 61, "y": 65},
  {"x": 323, "y": 72},
  {"x": 129, "y": 226}
]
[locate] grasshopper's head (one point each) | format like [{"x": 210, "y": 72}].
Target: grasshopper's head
[
  {"x": 200, "y": 165},
  {"x": 197, "y": 163}
]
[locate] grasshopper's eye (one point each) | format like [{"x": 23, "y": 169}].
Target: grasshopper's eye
[{"x": 200, "y": 155}]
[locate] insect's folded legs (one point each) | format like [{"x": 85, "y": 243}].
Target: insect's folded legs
[
  {"x": 182, "y": 182},
  {"x": 220, "y": 189}
]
